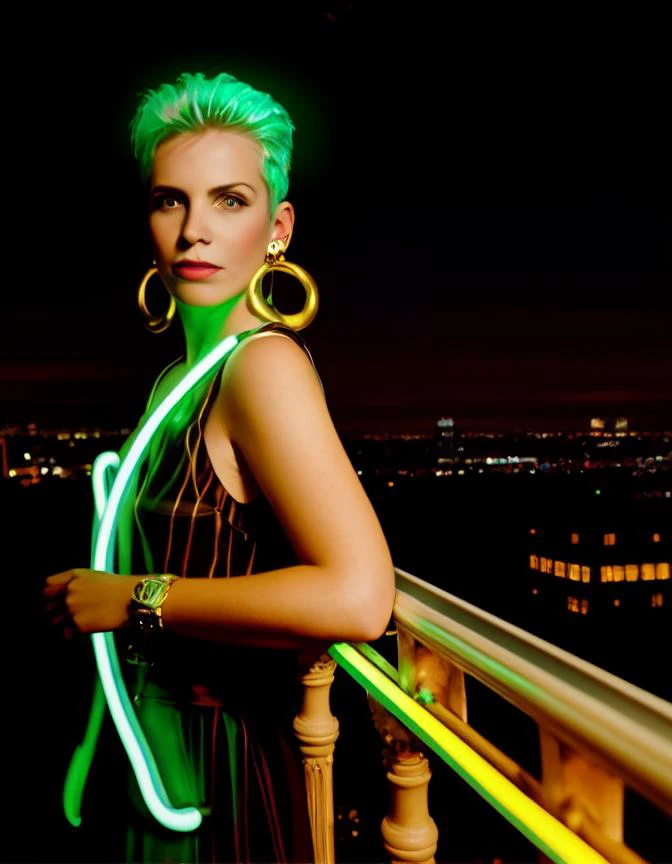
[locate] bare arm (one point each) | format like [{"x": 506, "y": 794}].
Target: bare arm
[
  {"x": 272, "y": 406},
  {"x": 273, "y": 409}
]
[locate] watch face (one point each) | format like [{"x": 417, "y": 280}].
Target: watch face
[{"x": 150, "y": 592}]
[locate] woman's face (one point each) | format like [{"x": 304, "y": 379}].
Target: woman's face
[{"x": 209, "y": 205}]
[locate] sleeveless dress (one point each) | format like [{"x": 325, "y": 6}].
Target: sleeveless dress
[{"x": 218, "y": 717}]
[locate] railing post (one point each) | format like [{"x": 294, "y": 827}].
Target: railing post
[
  {"x": 317, "y": 730},
  {"x": 581, "y": 790},
  {"x": 423, "y": 670},
  {"x": 409, "y": 832}
]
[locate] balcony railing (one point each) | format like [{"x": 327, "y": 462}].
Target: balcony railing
[{"x": 598, "y": 733}]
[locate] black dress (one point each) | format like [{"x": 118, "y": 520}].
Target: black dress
[{"x": 218, "y": 717}]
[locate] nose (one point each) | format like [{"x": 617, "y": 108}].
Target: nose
[{"x": 195, "y": 227}]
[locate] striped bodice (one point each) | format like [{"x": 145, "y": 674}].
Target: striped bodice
[{"x": 187, "y": 523}]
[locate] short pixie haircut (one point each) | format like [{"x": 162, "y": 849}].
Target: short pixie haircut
[{"x": 195, "y": 102}]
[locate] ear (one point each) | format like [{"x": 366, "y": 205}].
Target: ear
[{"x": 283, "y": 222}]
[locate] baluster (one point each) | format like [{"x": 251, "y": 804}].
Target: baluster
[
  {"x": 409, "y": 832},
  {"x": 586, "y": 794},
  {"x": 317, "y": 730}
]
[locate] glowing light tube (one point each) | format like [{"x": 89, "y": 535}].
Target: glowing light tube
[
  {"x": 552, "y": 837},
  {"x": 109, "y": 671},
  {"x": 101, "y": 476}
]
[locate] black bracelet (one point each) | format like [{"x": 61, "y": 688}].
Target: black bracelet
[{"x": 145, "y": 625}]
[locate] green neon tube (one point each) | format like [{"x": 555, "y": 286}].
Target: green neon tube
[
  {"x": 109, "y": 670},
  {"x": 78, "y": 771},
  {"x": 552, "y": 837}
]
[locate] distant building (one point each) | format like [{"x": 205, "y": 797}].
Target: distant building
[
  {"x": 618, "y": 426},
  {"x": 445, "y": 439},
  {"x": 598, "y": 564},
  {"x": 445, "y": 427},
  {"x": 621, "y": 425}
]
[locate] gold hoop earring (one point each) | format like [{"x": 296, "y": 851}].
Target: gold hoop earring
[
  {"x": 157, "y": 324},
  {"x": 275, "y": 260}
]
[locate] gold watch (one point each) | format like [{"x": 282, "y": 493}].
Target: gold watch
[{"x": 144, "y": 616}]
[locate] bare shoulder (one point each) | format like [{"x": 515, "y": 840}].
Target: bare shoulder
[
  {"x": 266, "y": 361},
  {"x": 278, "y": 417}
]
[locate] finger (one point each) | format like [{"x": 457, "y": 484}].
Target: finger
[
  {"x": 60, "y": 578},
  {"x": 54, "y": 607},
  {"x": 54, "y": 590}
]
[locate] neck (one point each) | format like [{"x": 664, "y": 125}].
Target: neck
[{"x": 206, "y": 326}]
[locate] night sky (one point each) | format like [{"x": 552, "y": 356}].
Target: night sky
[{"x": 482, "y": 205}]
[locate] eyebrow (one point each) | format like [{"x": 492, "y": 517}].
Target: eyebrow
[{"x": 217, "y": 190}]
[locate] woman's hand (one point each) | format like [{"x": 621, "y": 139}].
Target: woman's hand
[{"x": 88, "y": 601}]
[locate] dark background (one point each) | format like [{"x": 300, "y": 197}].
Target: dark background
[{"x": 483, "y": 202}]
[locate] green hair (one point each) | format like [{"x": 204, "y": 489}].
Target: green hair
[{"x": 195, "y": 102}]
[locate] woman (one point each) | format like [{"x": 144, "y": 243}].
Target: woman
[{"x": 247, "y": 478}]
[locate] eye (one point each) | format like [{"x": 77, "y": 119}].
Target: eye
[
  {"x": 231, "y": 202},
  {"x": 165, "y": 202}
]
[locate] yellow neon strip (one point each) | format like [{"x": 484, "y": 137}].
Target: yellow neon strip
[{"x": 552, "y": 837}]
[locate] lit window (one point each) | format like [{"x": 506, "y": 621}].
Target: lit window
[
  {"x": 546, "y": 565},
  {"x": 648, "y": 572},
  {"x": 663, "y": 570},
  {"x": 607, "y": 573},
  {"x": 585, "y": 574},
  {"x": 560, "y": 568},
  {"x": 619, "y": 573},
  {"x": 584, "y": 606},
  {"x": 609, "y": 539},
  {"x": 575, "y": 539},
  {"x": 534, "y": 562},
  {"x": 631, "y": 572},
  {"x": 573, "y": 604},
  {"x": 656, "y": 538},
  {"x": 656, "y": 600},
  {"x": 617, "y": 602},
  {"x": 575, "y": 572}
]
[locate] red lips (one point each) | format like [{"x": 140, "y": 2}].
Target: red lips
[
  {"x": 191, "y": 264},
  {"x": 195, "y": 271}
]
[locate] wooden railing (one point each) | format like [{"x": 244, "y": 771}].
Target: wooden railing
[{"x": 598, "y": 733}]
